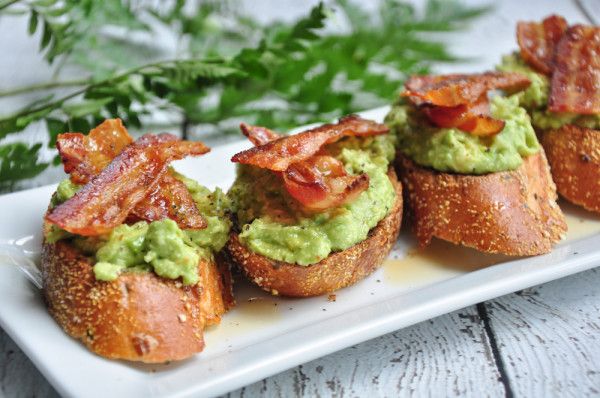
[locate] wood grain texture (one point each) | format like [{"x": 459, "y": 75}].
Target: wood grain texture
[
  {"x": 19, "y": 378},
  {"x": 549, "y": 337},
  {"x": 446, "y": 356},
  {"x": 546, "y": 341}
]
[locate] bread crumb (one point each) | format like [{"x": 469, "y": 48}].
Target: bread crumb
[
  {"x": 182, "y": 317},
  {"x": 331, "y": 297}
]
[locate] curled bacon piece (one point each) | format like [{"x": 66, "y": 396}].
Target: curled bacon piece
[
  {"x": 321, "y": 182},
  {"x": 454, "y": 90},
  {"x": 258, "y": 135},
  {"x": 461, "y": 100},
  {"x": 279, "y": 154},
  {"x": 575, "y": 83},
  {"x": 464, "y": 119},
  {"x": 473, "y": 119},
  {"x": 84, "y": 157},
  {"x": 538, "y": 41},
  {"x": 317, "y": 181},
  {"x": 108, "y": 199},
  {"x": 170, "y": 199},
  {"x": 446, "y": 116},
  {"x": 481, "y": 125}
]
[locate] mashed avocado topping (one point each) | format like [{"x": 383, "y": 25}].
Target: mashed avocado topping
[
  {"x": 159, "y": 246},
  {"x": 535, "y": 98},
  {"x": 272, "y": 224},
  {"x": 453, "y": 150},
  {"x": 65, "y": 191}
]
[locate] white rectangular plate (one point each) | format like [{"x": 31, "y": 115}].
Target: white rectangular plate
[{"x": 266, "y": 335}]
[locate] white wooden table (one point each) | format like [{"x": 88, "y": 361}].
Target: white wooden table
[{"x": 543, "y": 341}]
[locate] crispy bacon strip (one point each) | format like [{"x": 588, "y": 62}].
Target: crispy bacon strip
[
  {"x": 482, "y": 125},
  {"x": 576, "y": 79},
  {"x": 421, "y": 84},
  {"x": 106, "y": 201},
  {"x": 279, "y": 154},
  {"x": 464, "y": 119},
  {"x": 454, "y": 90},
  {"x": 461, "y": 100},
  {"x": 170, "y": 199},
  {"x": 258, "y": 135},
  {"x": 318, "y": 182},
  {"x": 538, "y": 42},
  {"x": 446, "y": 116},
  {"x": 321, "y": 182},
  {"x": 84, "y": 157},
  {"x": 474, "y": 119}
]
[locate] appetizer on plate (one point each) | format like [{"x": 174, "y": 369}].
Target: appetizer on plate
[
  {"x": 472, "y": 167},
  {"x": 128, "y": 258},
  {"x": 316, "y": 211},
  {"x": 563, "y": 63}
]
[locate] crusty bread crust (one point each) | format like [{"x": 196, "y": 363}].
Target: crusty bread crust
[
  {"x": 139, "y": 316},
  {"x": 513, "y": 212},
  {"x": 574, "y": 156},
  {"x": 338, "y": 270}
]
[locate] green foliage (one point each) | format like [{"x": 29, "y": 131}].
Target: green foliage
[
  {"x": 231, "y": 68},
  {"x": 216, "y": 28},
  {"x": 115, "y": 96},
  {"x": 17, "y": 162},
  {"x": 295, "y": 76},
  {"x": 74, "y": 26}
]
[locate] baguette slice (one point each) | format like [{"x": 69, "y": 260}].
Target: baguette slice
[
  {"x": 138, "y": 316},
  {"x": 338, "y": 270},
  {"x": 574, "y": 156},
  {"x": 512, "y": 212}
]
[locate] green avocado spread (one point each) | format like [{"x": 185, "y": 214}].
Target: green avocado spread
[
  {"x": 272, "y": 224},
  {"x": 158, "y": 246},
  {"x": 535, "y": 98},
  {"x": 453, "y": 150}
]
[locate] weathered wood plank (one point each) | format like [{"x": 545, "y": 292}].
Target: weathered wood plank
[
  {"x": 548, "y": 337},
  {"x": 19, "y": 378},
  {"x": 446, "y": 356}
]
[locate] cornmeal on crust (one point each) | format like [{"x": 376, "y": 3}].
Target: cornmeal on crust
[
  {"x": 139, "y": 316},
  {"x": 509, "y": 212},
  {"x": 574, "y": 156},
  {"x": 338, "y": 270}
]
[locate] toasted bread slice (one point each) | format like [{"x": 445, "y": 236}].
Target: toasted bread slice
[
  {"x": 139, "y": 316},
  {"x": 338, "y": 270},
  {"x": 574, "y": 156},
  {"x": 512, "y": 212}
]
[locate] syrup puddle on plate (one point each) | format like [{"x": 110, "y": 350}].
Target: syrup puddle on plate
[
  {"x": 248, "y": 315},
  {"x": 581, "y": 223},
  {"x": 439, "y": 260}
]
